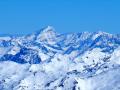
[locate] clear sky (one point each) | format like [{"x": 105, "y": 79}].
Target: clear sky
[{"x": 26, "y": 16}]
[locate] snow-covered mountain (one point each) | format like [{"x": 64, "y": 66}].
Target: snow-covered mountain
[{"x": 47, "y": 60}]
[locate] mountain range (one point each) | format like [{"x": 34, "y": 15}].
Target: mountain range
[{"x": 47, "y": 60}]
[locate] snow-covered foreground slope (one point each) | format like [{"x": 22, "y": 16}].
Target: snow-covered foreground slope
[{"x": 46, "y": 60}]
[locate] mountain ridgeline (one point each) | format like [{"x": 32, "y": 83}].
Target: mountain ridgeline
[{"x": 27, "y": 49}]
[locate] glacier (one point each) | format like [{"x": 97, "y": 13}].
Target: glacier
[{"x": 47, "y": 60}]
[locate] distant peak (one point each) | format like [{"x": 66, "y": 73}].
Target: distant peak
[
  {"x": 45, "y": 30},
  {"x": 47, "y": 34},
  {"x": 48, "y": 29}
]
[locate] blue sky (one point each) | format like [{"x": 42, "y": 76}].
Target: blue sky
[{"x": 26, "y": 16}]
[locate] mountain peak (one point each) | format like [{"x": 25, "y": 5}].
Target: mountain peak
[
  {"x": 47, "y": 34},
  {"x": 48, "y": 29},
  {"x": 44, "y": 30}
]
